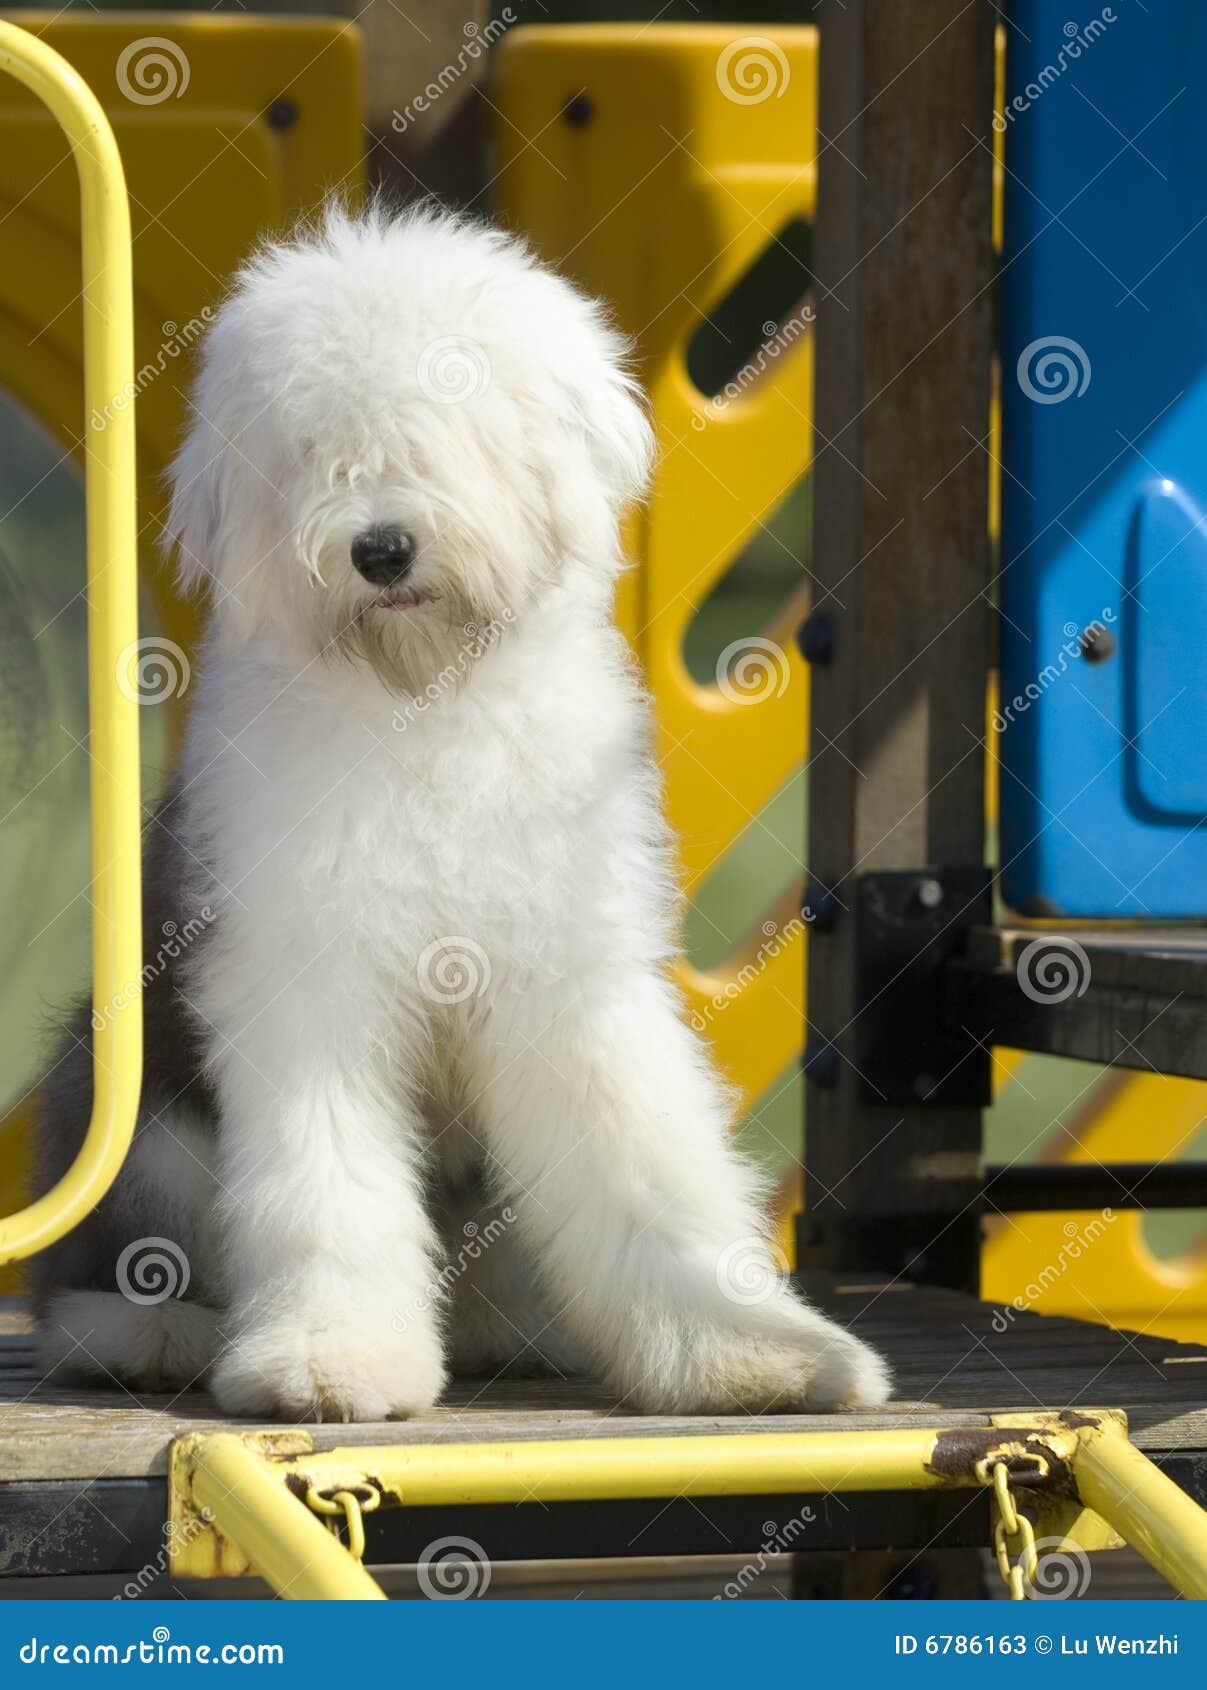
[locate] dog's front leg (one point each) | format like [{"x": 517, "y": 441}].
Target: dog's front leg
[
  {"x": 609, "y": 1131},
  {"x": 329, "y": 1247}
]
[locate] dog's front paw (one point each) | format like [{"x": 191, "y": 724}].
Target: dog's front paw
[
  {"x": 301, "y": 1370},
  {"x": 728, "y": 1373}
]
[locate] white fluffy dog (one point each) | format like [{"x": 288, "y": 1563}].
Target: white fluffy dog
[{"x": 419, "y": 1090}]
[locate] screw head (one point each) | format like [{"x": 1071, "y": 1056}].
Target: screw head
[
  {"x": 578, "y": 110},
  {"x": 820, "y": 1064},
  {"x": 282, "y": 114},
  {"x": 1096, "y": 643},
  {"x": 816, "y": 639},
  {"x": 819, "y": 906},
  {"x": 930, "y": 893}
]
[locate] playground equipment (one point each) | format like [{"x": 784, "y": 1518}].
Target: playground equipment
[{"x": 897, "y": 1073}]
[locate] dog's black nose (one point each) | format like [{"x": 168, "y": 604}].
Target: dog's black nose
[{"x": 383, "y": 555}]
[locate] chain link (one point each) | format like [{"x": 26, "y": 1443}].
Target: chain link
[
  {"x": 347, "y": 1507},
  {"x": 1010, "y": 1523}
]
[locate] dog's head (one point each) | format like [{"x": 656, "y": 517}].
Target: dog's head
[{"x": 401, "y": 427}]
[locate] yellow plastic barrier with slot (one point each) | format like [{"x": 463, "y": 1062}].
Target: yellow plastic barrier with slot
[{"x": 112, "y": 634}]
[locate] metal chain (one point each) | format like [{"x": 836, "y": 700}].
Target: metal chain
[
  {"x": 347, "y": 1507},
  {"x": 1011, "y": 1524}
]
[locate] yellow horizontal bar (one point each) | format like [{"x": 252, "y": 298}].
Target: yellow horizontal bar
[
  {"x": 1145, "y": 1506},
  {"x": 112, "y": 634},
  {"x": 598, "y": 1469},
  {"x": 287, "y": 1544}
]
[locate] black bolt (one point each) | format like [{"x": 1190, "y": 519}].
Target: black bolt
[
  {"x": 816, "y": 639},
  {"x": 820, "y": 907},
  {"x": 578, "y": 111},
  {"x": 282, "y": 114},
  {"x": 1097, "y": 643},
  {"x": 820, "y": 1064}
]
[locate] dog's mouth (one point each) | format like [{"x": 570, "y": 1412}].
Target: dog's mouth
[{"x": 401, "y": 598}]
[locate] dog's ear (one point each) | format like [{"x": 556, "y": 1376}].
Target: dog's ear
[
  {"x": 610, "y": 409},
  {"x": 195, "y": 512}
]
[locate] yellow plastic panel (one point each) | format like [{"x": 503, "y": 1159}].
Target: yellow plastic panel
[{"x": 660, "y": 202}]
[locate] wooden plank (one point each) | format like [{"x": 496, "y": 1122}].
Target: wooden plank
[
  {"x": 954, "y": 1366},
  {"x": 904, "y": 341},
  {"x": 1126, "y": 999}
]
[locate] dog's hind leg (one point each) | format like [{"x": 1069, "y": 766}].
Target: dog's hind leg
[
  {"x": 102, "y": 1336},
  {"x": 109, "y": 1296}
]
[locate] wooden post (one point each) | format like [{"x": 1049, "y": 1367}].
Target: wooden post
[
  {"x": 904, "y": 265},
  {"x": 425, "y": 64}
]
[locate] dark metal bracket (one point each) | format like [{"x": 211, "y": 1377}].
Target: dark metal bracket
[{"x": 913, "y": 1042}]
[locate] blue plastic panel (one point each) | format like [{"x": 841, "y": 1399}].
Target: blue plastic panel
[{"x": 1104, "y": 389}]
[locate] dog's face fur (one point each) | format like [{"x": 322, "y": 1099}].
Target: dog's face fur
[{"x": 401, "y": 428}]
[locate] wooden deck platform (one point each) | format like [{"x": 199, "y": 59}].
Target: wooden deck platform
[{"x": 82, "y": 1473}]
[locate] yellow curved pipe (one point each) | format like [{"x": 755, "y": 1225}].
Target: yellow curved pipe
[{"x": 112, "y": 635}]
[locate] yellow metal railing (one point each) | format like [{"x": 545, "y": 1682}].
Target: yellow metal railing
[
  {"x": 258, "y": 1503},
  {"x": 112, "y": 636}
]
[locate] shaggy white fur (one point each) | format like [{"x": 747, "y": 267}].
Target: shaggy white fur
[{"x": 425, "y": 813}]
